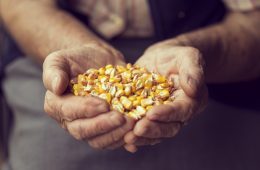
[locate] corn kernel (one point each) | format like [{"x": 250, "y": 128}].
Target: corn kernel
[
  {"x": 149, "y": 107},
  {"x": 139, "y": 84},
  {"x": 159, "y": 79},
  {"x": 136, "y": 103},
  {"x": 112, "y": 91},
  {"x": 101, "y": 71},
  {"x": 106, "y": 96},
  {"x": 128, "y": 90},
  {"x": 147, "y": 102},
  {"x": 164, "y": 94},
  {"x": 132, "y": 98},
  {"x": 91, "y": 71},
  {"x": 118, "y": 107},
  {"x": 109, "y": 66},
  {"x": 167, "y": 102},
  {"x": 120, "y": 69},
  {"x": 126, "y": 102},
  {"x": 88, "y": 88},
  {"x": 128, "y": 66},
  {"x": 119, "y": 93},
  {"x": 140, "y": 110}
]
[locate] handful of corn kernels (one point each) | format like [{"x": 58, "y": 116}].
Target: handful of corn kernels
[{"x": 131, "y": 90}]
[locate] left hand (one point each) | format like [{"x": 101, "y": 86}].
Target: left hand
[{"x": 185, "y": 66}]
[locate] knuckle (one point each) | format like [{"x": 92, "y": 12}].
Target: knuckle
[{"x": 100, "y": 126}]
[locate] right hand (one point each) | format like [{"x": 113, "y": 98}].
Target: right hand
[{"x": 85, "y": 118}]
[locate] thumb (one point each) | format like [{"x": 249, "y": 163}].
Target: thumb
[{"x": 55, "y": 73}]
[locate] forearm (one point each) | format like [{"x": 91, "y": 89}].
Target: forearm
[
  {"x": 40, "y": 28},
  {"x": 230, "y": 48}
]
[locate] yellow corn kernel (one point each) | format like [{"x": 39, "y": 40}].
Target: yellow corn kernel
[
  {"x": 147, "y": 102},
  {"x": 136, "y": 103},
  {"x": 115, "y": 79},
  {"x": 164, "y": 94},
  {"x": 133, "y": 115},
  {"x": 167, "y": 102},
  {"x": 91, "y": 71},
  {"x": 119, "y": 86},
  {"x": 106, "y": 96},
  {"x": 112, "y": 91},
  {"x": 118, "y": 107},
  {"x": 101, "y": 71},
  {"x": 108, "y": 71},
  {"x": 126, "y": 102},
  {"x": 128, "y": 65},
  {"x": 92, "y": 76},
  {"x": 103, "y": 88},
  {"x": 164, "y": 85},
  {"x": 119, "y": 93},
  {"x": 103, "y": 78},
  {"x": 152, "y": 94},
  {"x": 94, "y": 93},
  {"x": 148, "y": 83},
  {"x": 139, "y": 84},
  {"x": 88, "y": 88},
  {"x": 132, "y": 98},
  {"x": 149, "y": 107},
  {"x": 109, "y": 66},
  {"x": 120, "y": 69},
  {"x": 81, "y": 78},
  {"x": 128, "y": 90},
  {"x": 145, "y": 93},
  {"x": 139, "y": 92},
  {"x": 126, "y": 75},
  {"x": 159, "y": 78},
  {"x": 140, "y": 110},
  {"x": 115, "y": 100},
  {"x": 113, "y": 72}
]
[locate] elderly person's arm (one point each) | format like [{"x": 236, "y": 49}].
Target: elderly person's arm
[
  {"x": 226, "y": 52},
  {"x": 42, "y": 29}
]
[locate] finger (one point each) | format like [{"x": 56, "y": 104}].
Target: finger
[
  {"x": 131, "y": 138},
  {"x": 70, "y": 107},
  {"x": 130, "y": 148},
  {"x": 55, "y": 73},
  {"x": 89, "y": 128},
  {"x": 116, "y": 145},
  {"x": 114, "y": 136},
  {"x": 191, "y": 71},
  {"x": 150, "y": 129},
  {"x": 180, "y": 110}
]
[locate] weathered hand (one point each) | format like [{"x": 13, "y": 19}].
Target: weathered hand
[
  {"x": 185, "y": 66},
  {"x": 85, "y": 118}
]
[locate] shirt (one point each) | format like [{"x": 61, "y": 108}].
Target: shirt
[{"x": 132, "y": 18}]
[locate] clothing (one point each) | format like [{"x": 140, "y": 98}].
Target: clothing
[{"x": 132, "y": 18}]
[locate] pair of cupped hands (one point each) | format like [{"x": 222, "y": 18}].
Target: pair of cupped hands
[{"x": 90, "y": 119}]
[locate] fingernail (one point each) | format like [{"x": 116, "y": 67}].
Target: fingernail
[
  {"x": 192, "y": 82},
  {"x": 54, "y": 83},
  {"x": 156, "y": 142},
  {"x": 117, "y": 119}
]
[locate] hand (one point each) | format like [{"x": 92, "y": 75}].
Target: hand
[
  {"x": 185, "y": 66},
  {"x": 85, "y": 118}
]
